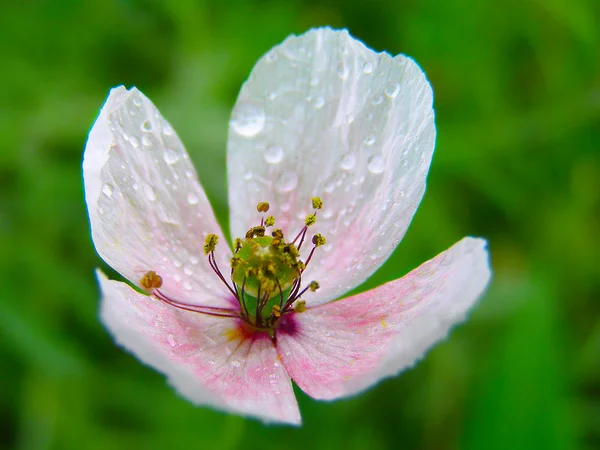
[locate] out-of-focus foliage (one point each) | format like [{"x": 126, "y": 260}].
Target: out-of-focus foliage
[{"x": 517, "y": 87}]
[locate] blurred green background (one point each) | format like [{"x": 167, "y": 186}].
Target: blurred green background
[{"x": 517, "y": 95}]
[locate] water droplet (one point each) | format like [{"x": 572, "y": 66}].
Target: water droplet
[
  {"x": 177, "y": 263},
  {"x": 248, "y": 176},
  {"x": 187, "y": 285},
  {"x": 167, "y": 130},
  {"x": 342, "y": 70},
  {"x": 376, "y": 164},
  {"x": 235, "y": 363},
  {"x": 149, "y": 192},
  {"x": 328, "y": 213},
  {"x": 170, "y": 156},
  {"x": 314, "y": 80},
  {"x": 319, "y": 102},
  {"x": 377, "y": 100},
  {"x": 107, "y": 190},
  {"x": 271, "y": 56},
  {"x": 146, "y": 126},
  {"x": 194, "y": 259},
  {"x": 287, "y": 182},
  {"x": 171, "y": 340},
  {"x": 192, "y": 198},
  {"x": 392, "y": 89},
  {"x": 368, "y": 67},
  {"x": 177, "y": 277},
  {"x": 134, "y": 141},
  {"x": 146, "y": 141},
  {"x": 137, "y": 101},
  {"x": 285, "y": 207},
  {"x": 187, "y": 270},
  {"x": 348, "y": 161},
  {"x": 272, "y": 95},
  {"x": 273, "y": 154},
  {"x": 211, "y": 362},
  {"x": 247, "y": 120},
  {"x": 370, "y": 139},
  {"x": 135, "y": 186},
  {"x": 329, "y": 187}
]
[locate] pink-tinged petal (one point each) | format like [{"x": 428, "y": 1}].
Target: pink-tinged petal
[
  {"x": 323, "y": 115},
  {"x": 147, "y": 209},
  {"x": 209, "y": 360},
  {"x": 341, "y": 348}
]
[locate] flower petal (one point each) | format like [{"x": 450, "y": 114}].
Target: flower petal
[
  {"x": 323, "y": 115},
  {"x": 205, "y": 358},
  {"x": 341, "y": 348},
  {"x": 147, "y": 209}
]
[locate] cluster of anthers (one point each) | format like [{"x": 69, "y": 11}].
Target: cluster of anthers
[{"x": 266, "y": 273}]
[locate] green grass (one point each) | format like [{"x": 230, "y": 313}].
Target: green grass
[{"x": 517, "y": 97}]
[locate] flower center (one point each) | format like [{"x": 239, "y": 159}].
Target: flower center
[{"x": 266, "y": 273}]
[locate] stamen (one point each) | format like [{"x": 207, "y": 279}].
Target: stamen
[
  {"x": 311, "y": 219},
  {"x": 317, "y": 203},
  {"x": 151, "y": 280},
  {"x": 262, "y": 207},
  {"x": 300, "y": 306},
  {"x": 269, "y": 221},
  {"x": 210, "y": 243}
]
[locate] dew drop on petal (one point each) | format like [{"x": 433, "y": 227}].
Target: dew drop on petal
[
  {"x": 287, "y": 182},
  {"x": 107, "y": 190},
  {"x": 194, "y": 259},
  {"x": 392, "y": 89},
  {"x": 370, "y": 139},
  {"x": 375, "y": 164},
  {"x": 235, "y": 363},
  {"x": 146, "y": 126},
  {"x": 134, "y": 141},
  {"x": 314, "y": 80},
  {"x": 318, "y": 102},
  {"x": 377, "y": 100},
  {"x": 187, "y": 285},
  {"x": 146, "y": 141},
  {"x": 192, "y": 198},
  {"x": 273, "y": 154},
  {"x": 342, "y": 70},
  {"x": 328, "y": 213},
  {"x": 168, "y": 130},
  {"x": 329, "y": 187},
  {"x": 170, "y": 156},
  {"x": 348, "y": 161},
  {"x": 248, "y": 120},
  {"x": 187, "y": 270},
  {"x": 368, "y": 67},
  {"x": 177, "y": 263},
  {"x": 171, "y": 340},
  {"x": 149, "y": 192},
  {"x": 248, "y": 176}
]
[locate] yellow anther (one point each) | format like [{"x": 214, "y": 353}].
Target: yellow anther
[
  {"x": 300, "y": 306},
  {"x": 318, "y": 240},
  {"x": 310, "y": 220},
  {"x": 276, "y": 311},
  {"x": 237, "y": 244},
  {"x": 210, "y": 243},
  {"x": 235, "y": 261},
  {"x": 313, "y": 286},
  {"x": 269, "y": 221},
  {"x": 255, "y": 232},
  {"x": 317, "y": 203},
  {"x": 262, "y": 207},
  {"x": 277, "y": 234},
  {"x": 151, "y": 280}
]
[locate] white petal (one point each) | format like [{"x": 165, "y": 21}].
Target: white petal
[
  {"x": 147, "y": 210},
  {"x": 323, "y": 115},
  {"x": 341, "y": 348},
  {"x": 205, "y": 359}
]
